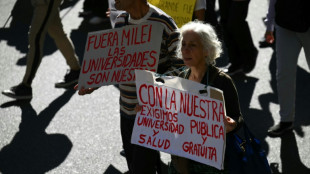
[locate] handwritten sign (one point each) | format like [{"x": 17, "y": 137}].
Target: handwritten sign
[
  {"x": 177, "y": 119},
  {"x": 111, "y": 56},
  {"x": 180, "y": 10}
]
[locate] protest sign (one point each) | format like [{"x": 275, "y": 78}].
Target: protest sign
[
  {"x": 179, "y": 117},
  {"x": 111, "y": 56},
  {"x": 180, "y": 10}
]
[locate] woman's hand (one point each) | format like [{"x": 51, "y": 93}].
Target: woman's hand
[
  {"x": 269, "y": 37},
  {"x": 84, "y": 91},
  {"x": 138, "y": 108},
  {"x": 230, "y": 124},
  {"x": 108, "y": 13}
]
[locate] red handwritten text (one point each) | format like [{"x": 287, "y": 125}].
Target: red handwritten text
[
  {"x": 200, "y": 150},
  {"x": 154, "y": 142}
]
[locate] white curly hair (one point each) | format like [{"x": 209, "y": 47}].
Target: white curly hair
[{"x": 208, "y": 37}]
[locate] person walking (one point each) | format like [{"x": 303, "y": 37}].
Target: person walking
[
  {"x": 242, "y": 52},
  {"x": 292, "y": 22},
  {"x": 46, "y": 19}
]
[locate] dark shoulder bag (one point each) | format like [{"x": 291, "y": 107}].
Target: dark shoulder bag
[{"x": 245, "y": 155}]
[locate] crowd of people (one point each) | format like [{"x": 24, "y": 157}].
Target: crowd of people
[{"x": 198, "y": 43}]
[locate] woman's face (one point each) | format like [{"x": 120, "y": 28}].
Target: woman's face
[{"x": 192, "y": 50}]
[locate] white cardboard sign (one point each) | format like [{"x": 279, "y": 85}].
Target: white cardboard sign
[
  {"x": 177, "y": 119},
  {"x": 111, "y": 56}
]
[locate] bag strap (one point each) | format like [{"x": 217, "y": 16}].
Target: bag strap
[{"x": 249, "y": 136}]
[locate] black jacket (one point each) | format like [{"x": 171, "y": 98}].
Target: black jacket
[
  {"x": 218, "y": 79},
  {"x": 293, "y": 15}
]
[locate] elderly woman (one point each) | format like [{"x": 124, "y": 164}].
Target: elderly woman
[{"x": 199, "y": 47}]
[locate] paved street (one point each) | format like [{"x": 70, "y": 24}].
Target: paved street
[{"x": 60, "y": 132}]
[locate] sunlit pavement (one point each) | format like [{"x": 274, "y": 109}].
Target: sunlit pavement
[{"x": 59, "y": 131}]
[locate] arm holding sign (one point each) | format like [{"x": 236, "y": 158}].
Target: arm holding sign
[
  {"x": 225, "y": 83},
  {"x": 230, "y": 124},
  {"x": 169, "y": 64},
  {"x": 84, "y": 91}
]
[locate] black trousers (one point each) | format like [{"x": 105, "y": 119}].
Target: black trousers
[
  {"x": 98, "y": 7},
  {"x": 140, "y": 160},
  {"x": 211, "y": 16},
  {"x": 236, "y": 31}
]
